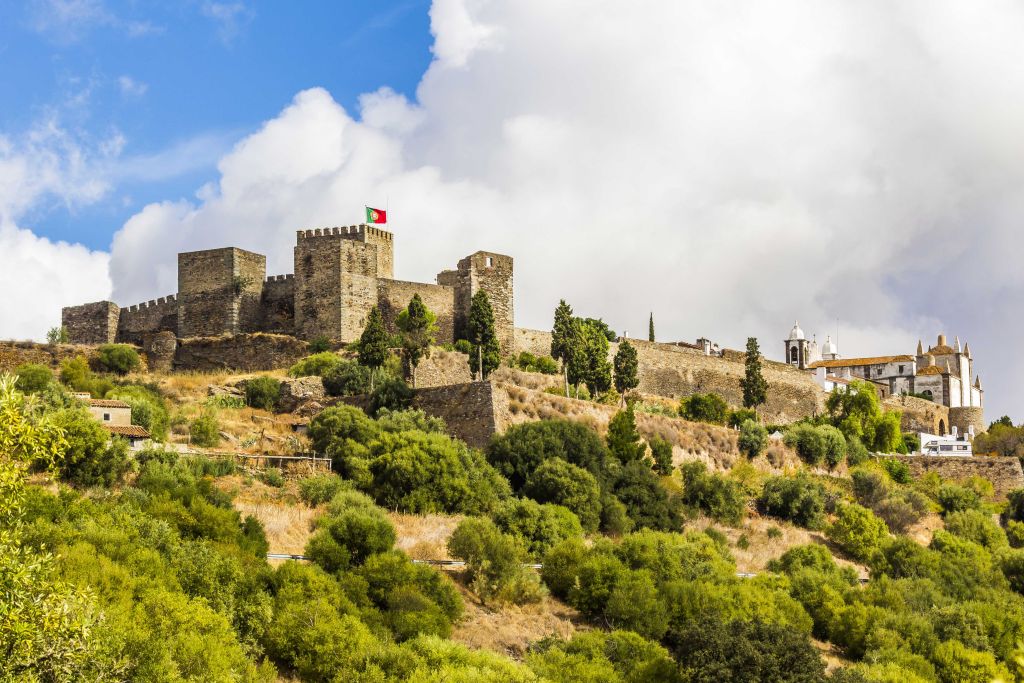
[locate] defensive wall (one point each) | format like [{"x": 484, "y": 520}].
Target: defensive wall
[
  {"x": 919, "y": 415},
  {"x": 1004, "y": 473},
  {"x": 340, "y": 274},
  {"x": 679, "y": 371}
]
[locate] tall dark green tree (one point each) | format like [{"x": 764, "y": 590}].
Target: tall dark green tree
[
  {"x": 625, "y": 365},
  {"x": 598, "y": 371},
  {"x": 565, "y": 339},
  {"x": 755, "y": 387},
  {"x": 623, "y": 438},
  {"x": 486, "y": 354},
  {"x": 373, "y": 343},
  {"x": 418, "y": 325},
  {"x": 650, "y": 328}
]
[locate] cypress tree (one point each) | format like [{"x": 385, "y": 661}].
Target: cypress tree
[
  {"x": 650, "y": 328},
  {"x": 597, "y": 373},
  {"x": 418, "y": 325},
  {"x": 564, "y": 339},
  {"x": 373, "y": 343},
  {"x": 623, "y": 438},
  {"x": 486, "y": 354},
  {"x": 755, "y": 388},
  {"x": 626, "y": 368}
]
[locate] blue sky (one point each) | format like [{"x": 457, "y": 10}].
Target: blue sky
[{"x": 180, "y": 82}]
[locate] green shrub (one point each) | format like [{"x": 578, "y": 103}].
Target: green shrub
[
  {"x": 741, "y": 415},
  {"x": 902, "y": 509},
  {"x": 856, "y": 451},
  {"x": 272, "y": 477},
  {"x": 346, "y": 378},
  {"x": 348, "y": 538},
  {"x": 522, "y": 448},
  {"x": 661, "y": 451},
  {"x": 774, "y": 532},
  {"x": 976, "y": 527},
  {"x": 753, "y": 438},
  {"x": 493, "y": 562},
  {"x": 799, "y": 499},
  {"x": 1014, "y": 506},
  {"x": 712, "y": 494},
  {"x": 954, "y": 498},
  {"x": 623, "y": 438},
  {"x": 317, "y": 364},
  {"x": 834, "y": 444},
  {"x": 600, "y": 656},
  {"x": 615, "y": 519},
  {"x": 391, "y": 393},
  {"x": 710, "y": 408},
  {"x": 119, "y": 359},
  {"x": 531, "y": 363},
  {"x": 898, "y": 470},
  {"x": 91, "y": 458},
  {"x": 562, "y": 483},
  {"x": 205, "y": 430},
  {"x": 538, "y": 526},
  {"x": 410, "y": 419},
  {"x": 1015, "y": 533},
  {"x": 808, "y": 441},
  {"x": 319, "y": 344},
  {"x": 262, "y": 392},
  {"x": 955, "y": 663},
  {"x": 648, "y": 504},
  {"x": 33, "y": 378},
  {"x": 561, "y": 564},
  {"x": 320, "y": 488},
  {"x": 858, "y": 532},
  {"x": 635, "y": 605},
  {"x": 75, "y": 373},
  {"x": 463, "y": 346}
]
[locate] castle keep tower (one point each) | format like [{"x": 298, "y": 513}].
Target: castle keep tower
[
  {"x": 336, "y": 273},
  {"x": 491, "y": 273},
  {"x": 219, "y": 291}
]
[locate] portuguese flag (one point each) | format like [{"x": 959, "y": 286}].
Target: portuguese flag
[{"x": 376, "y": 216}]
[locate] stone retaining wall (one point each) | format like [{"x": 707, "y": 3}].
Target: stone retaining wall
[{"x": 1004, "y": 473}]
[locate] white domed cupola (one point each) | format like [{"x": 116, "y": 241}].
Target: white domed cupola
[
  {"x": 796, "y": 332},
  {"x": 829, "y": 350}
]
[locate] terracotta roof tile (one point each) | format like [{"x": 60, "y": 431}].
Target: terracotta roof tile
[
  {"x": 944, "y": 350},
  {"x": 134, "y": 431},
  {"x": 852, "y": 362},
  {"x": 931, "y": 370},
  {"x": 107, "y": 403}
]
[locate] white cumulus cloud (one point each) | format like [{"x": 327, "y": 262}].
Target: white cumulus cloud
[{"x": 730, "y": 166}]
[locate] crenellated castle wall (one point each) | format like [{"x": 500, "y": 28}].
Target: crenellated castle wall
[{"x": 156, "y": 315}]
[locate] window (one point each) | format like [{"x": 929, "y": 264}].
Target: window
[
  {"x": 106, "y": 417},
  {"x": 792, "y": 354},
  {"x": 878, "y": 371},
  {"x": 490, "y": 262},
  {"x": 901, "y": 369}
]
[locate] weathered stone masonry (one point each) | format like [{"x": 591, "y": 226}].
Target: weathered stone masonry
[{"x": 340, "y": 274}]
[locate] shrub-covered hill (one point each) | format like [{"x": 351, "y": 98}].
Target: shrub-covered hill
[{"x": 152, "y": 565}]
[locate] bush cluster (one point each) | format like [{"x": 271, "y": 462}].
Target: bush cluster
[{"x": 531, "y": 363}]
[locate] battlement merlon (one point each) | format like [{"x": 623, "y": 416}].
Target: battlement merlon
[{"x": 361, "y": 233}]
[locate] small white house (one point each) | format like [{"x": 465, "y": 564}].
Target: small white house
[{"x": 116, "y": 418}]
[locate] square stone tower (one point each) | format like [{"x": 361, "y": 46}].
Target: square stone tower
[
  {"x": 336, "y": 274},
  {"x": 219, "y": 291},
  {"x": 492, "y": 273}
]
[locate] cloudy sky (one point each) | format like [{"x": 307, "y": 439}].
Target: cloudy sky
[{"x": 730, "y": 166}]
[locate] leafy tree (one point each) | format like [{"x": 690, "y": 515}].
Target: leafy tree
[
  {"x": 205, "y": 430},
  {"x": 539, "y": 526},
  {"x": 602, "y": 657},
  {"x": 650, "y": 327},
  {"x": 75, "y": 373},
  {"x": 710, "y": 408},
  {"x": 486, "y": 354},
  {"x": 410, "y": 419},
  {"x": 808, "y": 441},
  {"x": 262, "y": 392},
  {"x": 956, "y": 663},
  {"x": 646, "y": 500},
  {"x": 753, "y": 438},
  {"x": 33, "y": 378},
  {"x": 320, "y": 344},
  {"x": 712, "y": 650},
  {"x": 856, "y": 411},
  {"x": 623, "y": 439},
  {"x": 57, "y": 335},
  {"x": 564, "y": 338},
  {"x": 418, "y": 325},
  {"x": 976, "y": 527},
  {"x": 522, "y": 448},
  {"x": 754, "y": 385},
  {"x": 493, "y": 561},
  {"x": 1001, "y": 438},
  {"x": 347, "y": 378},
  {"x": 720, "y": 498},
  {"x": 531, "y": 363},
  {"x": 798, "y": 499},
  {"x": 834, "y": 445},
  {"x": 955, "y": 498},
  {"x": 857, "y": 531},
  {"x": 118, "y": 358},
  {"x": 661, "y": 451},
  {"x": 625, "y": 363},
  {"x": 562, "y": 483},
  {"x": 635, "y": 605},
  {"x": 1014, "y": 510},
  {"x": 92, "y": 458},
  {"x": 596, "y": 370},
  {"x": 320, "y": 488},
  {"x": 391, "y": 393},
  {"x": 350, "y": 537}
]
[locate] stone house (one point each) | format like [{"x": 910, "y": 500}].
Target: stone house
[{"x": 116, "y": 418}]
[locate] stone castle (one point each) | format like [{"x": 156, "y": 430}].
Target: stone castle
[{"x": 340, "y": 275}]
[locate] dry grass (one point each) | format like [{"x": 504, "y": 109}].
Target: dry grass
[
  {"x": 287, "y": 522},
  {"x": 424, "y": 537},
  {"x": 511, "y": 629}
]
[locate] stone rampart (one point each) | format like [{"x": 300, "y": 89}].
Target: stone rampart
[
  {"x": 394, "y": 296},
  {"x": 1004, "y": 473},
  {"x": 277, "y": 314},
  {"x": 965, "y": 417},
  {"x": 94, "y": 323},
  {"x": 919, "y": 415},
  {"x": 443, "y": 368},
  {"x": 243, "y": 352},
  {"x": 470, "y": 410},
  {"x": 15, "y": 353},
  {"x": 138, "y": 321}
]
